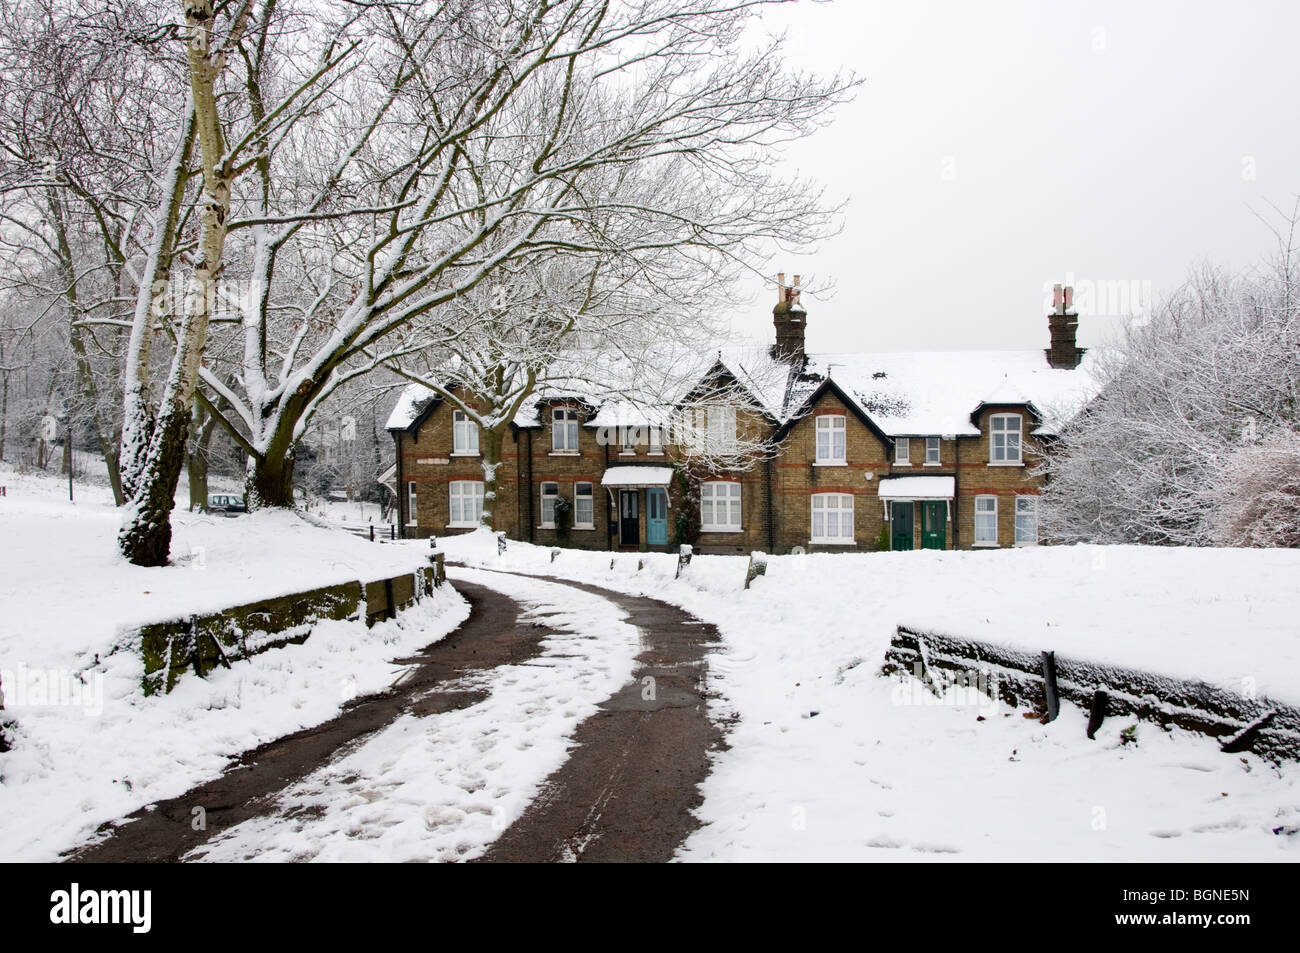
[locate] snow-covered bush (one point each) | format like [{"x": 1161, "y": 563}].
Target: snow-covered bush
[
  {"x": 1152, "y": 459},
  {"x": 1257, "y": 494}
]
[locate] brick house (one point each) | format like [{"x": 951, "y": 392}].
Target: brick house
[{"x": 832, "y": 452}]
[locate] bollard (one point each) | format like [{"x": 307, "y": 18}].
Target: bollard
[
  {"x": 555, "y": 551},
  {"x": 683, "y": 558},
  {"x": 501, "y": 543},
  {"x": 757, "y": 567},
  {"x": 438, "y": 559}
]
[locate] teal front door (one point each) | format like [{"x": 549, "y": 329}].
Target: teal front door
[
  {"x": 656, "y": 517},
  {"x": 901, "y": 516},
  {"x": 934, "y": 524}
]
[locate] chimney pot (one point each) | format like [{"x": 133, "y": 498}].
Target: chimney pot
[
  {"x": 1063, "y": 325},
  {"x": 788, "y": 317}
]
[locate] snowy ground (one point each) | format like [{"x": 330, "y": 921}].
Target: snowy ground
[
  {"x": 829, "y": 760},
  {"x": 91, "y": 748},
  {"x": 444, "y": 787}
]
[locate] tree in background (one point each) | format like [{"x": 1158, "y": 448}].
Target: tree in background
[{"x": 1199, "y": 412}]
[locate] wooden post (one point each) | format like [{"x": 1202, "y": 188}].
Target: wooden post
[
  {"x": 1049, "y": 686},
  {"x": 1097, "y": 714}
]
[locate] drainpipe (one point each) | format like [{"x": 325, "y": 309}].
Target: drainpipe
[
  {"x": 401, "y": 487},
  {"x": 771, "y": 514},
  {"x": 531, "y": 522}
]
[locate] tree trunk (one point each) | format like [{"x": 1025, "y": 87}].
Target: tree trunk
[
  {"x": 196, "y": 460},
  {"x": 146, "y": 535},
  {"x": 270, "y": 482},
  {"x": 490, "y": 447}
]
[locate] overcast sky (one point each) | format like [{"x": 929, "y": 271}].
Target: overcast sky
[{"x": 997, "y": 145}]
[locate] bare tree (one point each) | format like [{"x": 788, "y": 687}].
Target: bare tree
[{"x": 1216, "y": 370}]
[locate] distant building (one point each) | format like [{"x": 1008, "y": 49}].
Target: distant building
[{"x": 835, "y": 452}]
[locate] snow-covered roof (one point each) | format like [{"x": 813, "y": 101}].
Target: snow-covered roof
[
  {"x": 917, "y": 488},
  {"x": 925, "y": 393},
  {"x": 637, "y": 476},
  {"x": 934, "y": 393},
  {"x": 410, "y": 404}
]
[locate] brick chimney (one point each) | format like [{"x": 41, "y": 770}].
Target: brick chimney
[
  {"x": 1063, "y": 323},
  {"x": 790, "y": 320}
]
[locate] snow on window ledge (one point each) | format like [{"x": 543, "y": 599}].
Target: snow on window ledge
[
  {"x": 721, "y": 529},
  {"x": 830, "y": 463},
  {"x": 984, "y": 545}
]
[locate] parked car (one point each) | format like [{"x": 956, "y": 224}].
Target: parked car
[{"x": 227, "y": 503}]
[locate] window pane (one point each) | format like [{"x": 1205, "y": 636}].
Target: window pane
[{"x": 839, "y": 443}]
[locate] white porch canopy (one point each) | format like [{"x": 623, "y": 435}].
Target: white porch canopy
[
  {"x": 637, "y": 477},
  {"x": 917, "y": 488}
]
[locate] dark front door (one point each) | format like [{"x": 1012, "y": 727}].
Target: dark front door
[
  {"x": 629, "y": 518},
  {"x": 934, "y": 524},
  {"x": 901, "y": 516}
]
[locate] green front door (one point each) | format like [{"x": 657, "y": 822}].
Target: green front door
[
  {"x": 934, "y": 524},
  {"x": 901, "y": 516}
]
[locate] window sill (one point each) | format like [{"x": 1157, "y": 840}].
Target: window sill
[
  {"x": 627, "y": 453},
  {"x": 465, "y": 453},
  {"x": 1023, "y": 545},
  {"x": 833, "y": 542},
  {"x": 585, "y": 526},
  {"x": 1006, "y": 463},
  {"x": 565, "y": 453},
  {"x": 934, "y": 464},
  {"x": 654, "y": 453},
  {"x": 897, "y": 464},
  {"x": 721, "y": 529},
  {"x": 473, "y": 525},
  {"x": 984, "y": 545},
  {"x": 830, "y": 463}
]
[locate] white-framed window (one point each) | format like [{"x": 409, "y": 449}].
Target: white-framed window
[
  {"x": 466, "y": 502},
  {"x": 564, "y": 430},
  {"x": 631, "y": 437},
  {"x": 986, "y": 521},
  {"x": 832, "y": 518},
  {"x": 656, "y": 442},
  {"x": 720, "y": 507},
  {"x": 1026, "y": 521},
  {"x": 830, "y": 438},
  {"x": 464, "y": 433},
  {"x": 902, "y": 452},
  {"x": 412, "y": 505},
  {"x": 549, "y": 492},
  {"x": 584, "y": 510},
  {"x": 931, "y": 451},
  {"x": 1004, "y": 438}
]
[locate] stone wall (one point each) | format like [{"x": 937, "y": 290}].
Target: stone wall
[{"x": 200, "y": 643}]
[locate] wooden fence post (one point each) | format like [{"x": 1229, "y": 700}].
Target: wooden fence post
[{"x": 1049, "y": 686}]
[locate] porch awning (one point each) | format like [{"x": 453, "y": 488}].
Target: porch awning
[
  {"x": 637, "y": 477},
  {"x": 917, "y": 488}
]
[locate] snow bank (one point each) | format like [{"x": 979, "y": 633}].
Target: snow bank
[
  {"x": 828, "y": 760},
  {"x": 87, "y": 746}
]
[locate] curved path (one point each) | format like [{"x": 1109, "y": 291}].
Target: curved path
[
  {"x": 626, "y": 791},
  {"x": 628, "y": 788}
]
